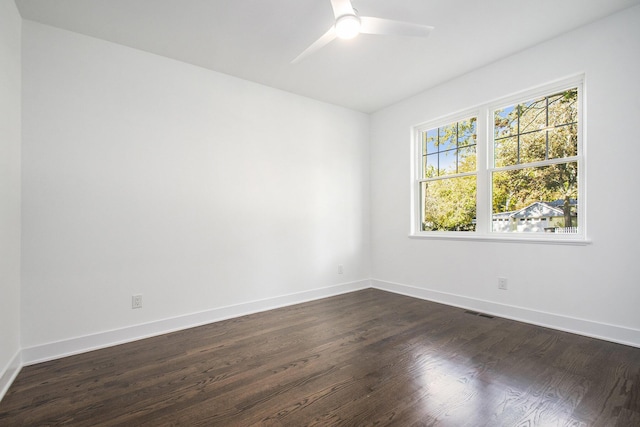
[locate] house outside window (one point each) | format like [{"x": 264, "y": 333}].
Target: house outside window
[{"x": 509, "y": 169}]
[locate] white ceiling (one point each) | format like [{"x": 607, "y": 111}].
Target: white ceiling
[{"x": 256, "y": 39}]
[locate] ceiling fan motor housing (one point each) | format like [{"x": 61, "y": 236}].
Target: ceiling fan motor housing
[{"x": 347, "y": 26}]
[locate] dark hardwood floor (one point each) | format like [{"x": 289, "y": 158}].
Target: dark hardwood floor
[{"x": 364, "y": 358}]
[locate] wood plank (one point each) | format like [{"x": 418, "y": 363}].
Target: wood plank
[{"x": 364, "y": 358}]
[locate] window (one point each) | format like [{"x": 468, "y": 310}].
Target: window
[
  {"x": 535, "y": 164},
  {"x": 511, "y": 169},
  {"x": 448, "y": 181}
]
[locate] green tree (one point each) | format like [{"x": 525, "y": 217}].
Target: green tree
[{"x": 450, "y": 204}]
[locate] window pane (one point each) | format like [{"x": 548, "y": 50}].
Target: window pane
[
  {"x": 533, "y": 147},
  {"x": 467, "y": 159},
  {"x": 563, "y": 108},
  {"x": 505, "y": 122},
  {"x": 447, "y": 137},
  {"x": 536, "y": 200},
  {"x": 448, "y": 162},
  {"x": 467, "y": 132},
  {"x": 533, "y": 115},
  {"x": 430, "y": 141},
  {"x": 563, "y": 142},
  {"x": 449, "y": 204},
  {"x": 431, "y": 166},
  {"x": 506, "y": 151}
]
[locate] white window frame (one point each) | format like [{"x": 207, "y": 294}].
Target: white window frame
[{"x": 484, "y": 162}]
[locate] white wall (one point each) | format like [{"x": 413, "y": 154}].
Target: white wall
[
  {"x": 592, "y": 289},
  {"x": 197, "y": 190},
  {"x": 10, "y": 27}
]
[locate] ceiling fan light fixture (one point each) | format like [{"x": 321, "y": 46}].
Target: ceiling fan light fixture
[{"x": 347, "y": 26}]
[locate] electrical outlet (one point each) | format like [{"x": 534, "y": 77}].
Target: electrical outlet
[
  {"x": 136, "y": 301},
  {"x": 502, "y": 283},
  {"x": 340, "y": 269}
]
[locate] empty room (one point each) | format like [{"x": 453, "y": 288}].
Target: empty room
[{"x": 319, "y": 212}]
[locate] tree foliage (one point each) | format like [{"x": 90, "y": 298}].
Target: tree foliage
[{"x": 450, "y": 204}]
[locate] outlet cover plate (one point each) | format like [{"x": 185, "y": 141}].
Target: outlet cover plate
[{"x": 136, "y": 301}]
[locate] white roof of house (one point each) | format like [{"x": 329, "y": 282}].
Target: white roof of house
[
  {"x": 534, "y": 210},
  {"x": 537, "y": 210}
]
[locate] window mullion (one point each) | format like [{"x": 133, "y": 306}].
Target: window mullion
[
  {"x": 549, "y": 162},
  {"x": 483, "y": 151},
  {"x": 546, "y": 132}
]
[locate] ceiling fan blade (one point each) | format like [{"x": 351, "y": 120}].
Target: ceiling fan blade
[
  {"x": 321, "y": 42},
  {"x": 370, "y": 25},
  {"x": 341, "y": 8}
]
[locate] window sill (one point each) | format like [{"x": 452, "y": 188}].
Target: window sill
[{"x": 467, "y": 236}]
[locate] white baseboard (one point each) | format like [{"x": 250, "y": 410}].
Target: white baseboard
[
  {"x": 589, "y": 328},
  {"x": 56, "y": 350},
  {"x": 10, "y": 373}
]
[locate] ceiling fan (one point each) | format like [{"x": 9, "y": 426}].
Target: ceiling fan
[{"x": 349, "y": 24}]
